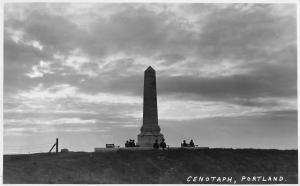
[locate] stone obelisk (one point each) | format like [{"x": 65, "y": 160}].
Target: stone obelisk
[{"x": 150, "y": 130}]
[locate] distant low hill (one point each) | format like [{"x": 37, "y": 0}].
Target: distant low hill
[{"x": 150, "y": 166}]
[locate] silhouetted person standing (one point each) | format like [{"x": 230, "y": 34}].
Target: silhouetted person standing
[
  {"x": 156, "y": 145},
  {"x": 192, "y": 143},
  {"x": 163, "y": 145},
  {"x": 127, "y": 144}
]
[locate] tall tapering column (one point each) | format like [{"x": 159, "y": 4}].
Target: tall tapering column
[{"x": 150, "y": 130}]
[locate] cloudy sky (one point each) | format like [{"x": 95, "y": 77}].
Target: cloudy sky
[{"x": 226, "y": 74}]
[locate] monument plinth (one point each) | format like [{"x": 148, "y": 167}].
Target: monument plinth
[{"x": 150, "y": 130}]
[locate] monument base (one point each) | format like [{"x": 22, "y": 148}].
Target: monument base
[{"x": 147, "y": 139}]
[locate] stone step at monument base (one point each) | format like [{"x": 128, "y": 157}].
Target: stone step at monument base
[
  {"x": 146, "y": 148},
  {"x": 147, "y": 139}
]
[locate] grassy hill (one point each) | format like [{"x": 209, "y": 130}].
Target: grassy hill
[{"x": 173, "y": 166}]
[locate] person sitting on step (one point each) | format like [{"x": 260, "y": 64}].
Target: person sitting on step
[
  {"x": 184, "y": 144},
  {"x": 130, "y": 143},
  {"x": 163, "y": 144},
  {"x": 192, "y": 143},
  {"x": 156, "y": 145}
]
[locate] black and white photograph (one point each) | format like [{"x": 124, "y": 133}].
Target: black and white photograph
[{"x": 150, "y": 93}]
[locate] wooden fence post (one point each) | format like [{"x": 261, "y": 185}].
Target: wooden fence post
[{"x": 56, "y": 145}]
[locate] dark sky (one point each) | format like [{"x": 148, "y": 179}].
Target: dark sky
[{"x": 226, "y": 74}]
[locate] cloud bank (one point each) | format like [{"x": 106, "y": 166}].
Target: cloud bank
[{"x": 82, "y": 64}]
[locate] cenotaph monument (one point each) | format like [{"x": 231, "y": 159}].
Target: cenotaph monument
[{"x": 150, "y": 131}]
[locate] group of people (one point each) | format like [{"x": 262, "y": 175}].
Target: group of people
[
  {"x": 191, "y": 144},
  {"x": 130, "y": 143},
  {"x": 162, "y": 144}
]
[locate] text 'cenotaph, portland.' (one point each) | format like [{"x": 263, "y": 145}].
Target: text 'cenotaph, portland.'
[{"x": 150, "y": 130}]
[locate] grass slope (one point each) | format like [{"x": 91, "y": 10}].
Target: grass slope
[{"x": 148, "y": 166}]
